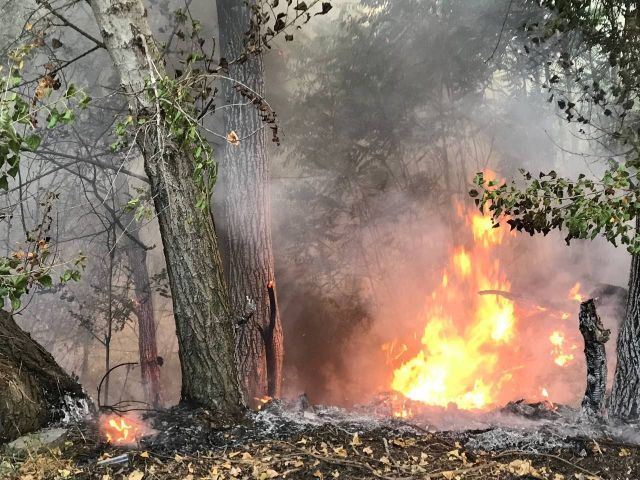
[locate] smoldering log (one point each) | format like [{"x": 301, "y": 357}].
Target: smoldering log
[
  {"x": 34, "y": 390},
  {"x": 595, "y": 336}
]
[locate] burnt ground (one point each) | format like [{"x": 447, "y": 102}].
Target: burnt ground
[{"x": 522, "y": 442}]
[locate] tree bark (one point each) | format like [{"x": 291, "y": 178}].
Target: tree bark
[
  {"x": 34, "y": 390},
  {"x": 246, "y": 211},
  {"x": 625, "y": 395},
  {"x": 595, "y": 336},
  {"x": 199, "y": 293},
  {"x": 147, "y": 343}
]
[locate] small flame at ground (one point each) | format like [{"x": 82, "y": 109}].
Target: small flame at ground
[
  {"x": 263, "y": 401},
  {"x": 122, "y": 430}
]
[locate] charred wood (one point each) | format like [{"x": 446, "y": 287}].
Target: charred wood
[{"x": 595, "y": 336}]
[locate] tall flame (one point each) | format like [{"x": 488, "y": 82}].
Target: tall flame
[{"x": 457, "y": 364}]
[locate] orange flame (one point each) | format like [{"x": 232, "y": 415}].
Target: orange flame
[
  {"x": 574, "y": 293},
  {"x": 459, "y": 365},
  {"x": 121, "y": 430},
  {"x": 561, "y": 358},
  {"x": 263, "y": 401}
]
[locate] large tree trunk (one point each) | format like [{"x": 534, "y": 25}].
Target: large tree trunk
[
  {"x": 200, "y": 298},
  {"x": 34, "y": 390},
  {"x": 625, "y": 396},
  {"x": 147, "y": 344},
  {"x": 246, "y": 211}
]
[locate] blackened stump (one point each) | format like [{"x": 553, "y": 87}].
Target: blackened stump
[{"x": 595, "y": 336}]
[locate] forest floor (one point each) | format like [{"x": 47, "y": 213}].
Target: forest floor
[{"x": 331, "y": 443}]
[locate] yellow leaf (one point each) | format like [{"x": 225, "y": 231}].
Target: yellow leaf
[
  {"x": 385, "y": 460},
  {"x": 272, "y": 473},
  {"x": 106, "y": 477},
  {"x": 303, "y": 441},
  {"x": 367, "y": 450},
  {"x": 246, "y": 456},
  {"x": 188, "y": 477},
  {"x": 144, "y": 454},
  {"x": 28, "y": 27},
  {"x": 64, "y": 473},
  {"x": 340, "y": 451},
  {"x": 355, "y": 441},
  {"x": 178, "y": 458},
  {"x": 136, "y": 475},
  {"x": 235, "y": 471},
  {"x": 335, "y": 474},
  {"x": 318, "y": 474},
  {"x": 448, "y": 475},
  {"x": 624, "y": 452}
]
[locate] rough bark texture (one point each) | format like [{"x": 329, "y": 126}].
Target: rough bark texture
[
  {"x": 595, "y": 336},
  {"x": 147, "y": 344},
  {"x": 246, "y": 210},
  {"x": 625, "y": 396},
  {"x": 34, "y": 390},
  {"x": 200, "y": 298}
]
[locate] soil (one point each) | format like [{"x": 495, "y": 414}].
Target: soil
[{"x": 285, "y": 441}]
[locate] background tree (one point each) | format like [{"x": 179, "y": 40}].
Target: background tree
[{"x": 245, "y": 205}]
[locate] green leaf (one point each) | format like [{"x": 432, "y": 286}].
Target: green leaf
[
  {"x": 4, "y": 183},
  {"x": 52, "y": 119},
  {"x": 33, "y": 142},
  {"x": 46, "y": 281},
  {"x": 15, "y": 303}
]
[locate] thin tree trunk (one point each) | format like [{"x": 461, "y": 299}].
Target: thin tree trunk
[
  {"x": 147, "y": 343},
  {"x": 246, "y": 211},
  {"x": 200, "y": 298},
  {"x": 625, "y": 396}
]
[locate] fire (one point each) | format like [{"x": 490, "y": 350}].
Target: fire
[
  {"x": 574, "y": 293},
  {"x": 460, "y": 363},
  {"x": 263, "y": 401},
  {"x": 561, "y": 358},
  {"x": 122, "y": 430}
]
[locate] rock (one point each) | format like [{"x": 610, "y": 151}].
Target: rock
[{"x": 43, "y": 439}]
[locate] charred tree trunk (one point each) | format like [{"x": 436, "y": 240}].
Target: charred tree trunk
[
  {"x": 625, "y": 396},
  {"x": 147, "y": 343},
  {"x": 595, "y": 336},
  {"x": 246, "y": 211},
  {"x": 200, "y": 297},
  {"x": 34, "y": 390}
]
